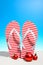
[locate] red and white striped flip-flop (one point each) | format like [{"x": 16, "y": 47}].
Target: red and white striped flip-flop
[
  {"x": 13, "y": 40},
  {"x": 30, "y": 33}
]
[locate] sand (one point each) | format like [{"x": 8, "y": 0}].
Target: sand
[{"x": 6, "y": 60}]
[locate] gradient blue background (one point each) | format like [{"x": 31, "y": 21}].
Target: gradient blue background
[{"x": 21, "y": 10}]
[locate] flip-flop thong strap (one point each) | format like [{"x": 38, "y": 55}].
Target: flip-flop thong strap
[
  {"x": 21, "y": 44},
  {"x": 31, "y": 33},
  {"x": 11, "y": 34}
]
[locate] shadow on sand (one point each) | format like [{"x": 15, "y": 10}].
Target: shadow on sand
[{"x": 4, "y": 53}]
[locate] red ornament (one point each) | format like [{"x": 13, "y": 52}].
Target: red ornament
[
  {"x": 15, "y": 57},
  {"x": 28, "y": 57},
  {"x": 35, "y": 57}
]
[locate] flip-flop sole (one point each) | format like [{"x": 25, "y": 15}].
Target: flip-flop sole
[
  {"x": 29, "y": 41},
  {"x": 13, "y": 39}
]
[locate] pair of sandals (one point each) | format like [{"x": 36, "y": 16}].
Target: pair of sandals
[{"x": 21, "y": 48}]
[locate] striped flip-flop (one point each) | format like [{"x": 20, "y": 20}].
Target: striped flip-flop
[
  {"x": 12, "y": 37},
  {"x": 30, "y": 33}
]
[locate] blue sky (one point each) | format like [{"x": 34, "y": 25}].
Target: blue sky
[{"x": 21, "y": 10}]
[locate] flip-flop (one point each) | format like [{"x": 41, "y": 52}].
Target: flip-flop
[
  {"x": 12, "y": 38},
  {"x": 29, "y": 32}
]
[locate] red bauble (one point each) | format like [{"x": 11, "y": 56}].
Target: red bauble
[
  {"x": 28, "y": 57},
  {"x": 15, "y": 57},
  {"x": 35, "y": 57}
]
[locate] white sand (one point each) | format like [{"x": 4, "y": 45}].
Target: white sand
[{"x": 6, "y": 60}]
